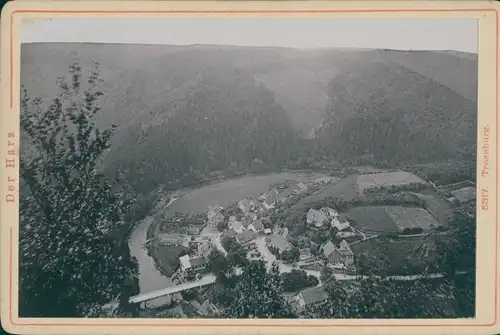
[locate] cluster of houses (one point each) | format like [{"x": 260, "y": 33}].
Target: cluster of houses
[
  {"x": 338, "y": 256},
  {"x": 254, "y": 219},
  {"x": 327, "y": 216}
]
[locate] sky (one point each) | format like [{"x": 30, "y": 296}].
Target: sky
[{"x": 403, "y": 34}]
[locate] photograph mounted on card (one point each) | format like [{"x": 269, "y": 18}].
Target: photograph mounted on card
[{"x": 224, "y": 167}]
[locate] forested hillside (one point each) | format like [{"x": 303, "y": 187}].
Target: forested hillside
[
  {"x": 185, "y": 114},
  {"x": 390, "y": 114},
  {"x": 227, "y": 124}
]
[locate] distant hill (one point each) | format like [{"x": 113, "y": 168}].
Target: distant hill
[
  {"x": 384, "y": 110},
  {"x": 194, "y": 110}
]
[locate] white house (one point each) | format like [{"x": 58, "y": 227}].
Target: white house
[
  {"x": 246, "y": 205},
  {"x": 236, "y": 226},
  {"x": 256, "y": 226},
  {"x": 213, "y": 210},
  {"x": 299, "y": 188},
  {"x": 340, "y": 222},
  {"x": 318, "y": 218},
  {"x": 269, "y": 202},
  {"x": 311, "y": 297},
  {"x": 330, "y": 212},
  {"x": 190, "y": 265}
]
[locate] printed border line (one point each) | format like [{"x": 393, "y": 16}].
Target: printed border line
[{"x": 257, "y": 12}]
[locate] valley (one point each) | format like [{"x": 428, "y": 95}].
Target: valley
[{"x": 235, "y": 167}]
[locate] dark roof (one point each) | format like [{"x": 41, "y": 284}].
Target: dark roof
[
  {"x": 313, "y": 295},
  {"x": 345, "y": 252},
  {"x": 229, "y": 233},
  {"x": 246, "y": 236},
  {"x": 245, "y": 203},
  {"x": 196, "y": 261},
  {"x": 279, "y": 242},
  {"x": 342, "y": 218},
  {"x": 328, "y": 248},
  {"x": 269, "y": 199},
  {"x": 258, "y": 224}
]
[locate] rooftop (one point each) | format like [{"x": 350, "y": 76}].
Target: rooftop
[
  {"x": 236, "y": 225},
  {"x": 314, "y": 295},
  {"x": 246, "y": 236},
  {"x": 328, "y": 248},
  {"x": 279, "y": 242},
  {"x": 465, "y": 194},
  {"x": 229, "y": 233},
  {"x": 197, "y": 261},
  {"x": 258, "y": 224}
]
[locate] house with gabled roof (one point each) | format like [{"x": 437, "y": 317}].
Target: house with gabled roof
[
  {"x": 318, "y": 218},
  {"x": 192, "y": 265},
  {"x": 213, "y": 210},
  {"x": 237, "y": 226},
  {"x": 269, "y": 202},
  {"x": 230, "y": 233},
  {"x": 245, "y": 205},
  {"x": 338, "y": 255},
  {"x": 246, "y": 238},
  {"x": 311, "y": 297},
  {"x": 279, "y": 243},
  {"x": 340, "y": 222},
  {"x": 256, "y": 226},
  {"x": 299, "y": 188}
]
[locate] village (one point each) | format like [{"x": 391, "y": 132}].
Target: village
[{"x": 252, "y": 225}]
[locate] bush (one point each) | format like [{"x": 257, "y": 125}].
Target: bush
[
  {"x": 290, "y": 256},
  {"x": 297, "y": 280},
  {"x": 411, "y": 231}
]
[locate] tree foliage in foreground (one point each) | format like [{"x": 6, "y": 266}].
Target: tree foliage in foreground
[
  {"x": 69, "y": 264},
  {"x": 258, "y": 294}
]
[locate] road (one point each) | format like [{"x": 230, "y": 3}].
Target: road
[
  {"x": 217, "y": 243},
  {"x": 269, "y": 258}
]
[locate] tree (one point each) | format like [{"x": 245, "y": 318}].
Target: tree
[
  {"x": 219, "y": 264},
  {"x": 236, "y": 254},
  {"x": 222, "y": 225},
  {"x": 326, "y": 274},
  {"x": 457, "y": 250},
  {"x": 69, "y": 263},
  {"x": 259, "y": 294},
  {"x": 290, "y": 255},
  {"x": 296, "y": 280}
]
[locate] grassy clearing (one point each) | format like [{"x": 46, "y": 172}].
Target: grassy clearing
[
  {"x": 395, "y": 256},
  {"x": 438, "y": 206},
  {"x": 167, "y": 257},
  {"x": 372, "y": 219}
]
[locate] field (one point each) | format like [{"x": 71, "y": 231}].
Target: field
[
  {"x": 412, "y": 217},
  {"x": 391, "y": 219},
  {"x": 387, "y": 179},
  {"x": 456, "y": 186},
  {"x": 436, "y": 205},
  {"x": 344, "y": 188},
  {"x": 167, "y": 257},
  {"x": 372, "y": 219},
  {"x": 395, "y": 256}
]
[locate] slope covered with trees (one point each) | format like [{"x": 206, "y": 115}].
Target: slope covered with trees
[
  {"x": 228, "y": 124},
  {"x": 385, "y": 113}
]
